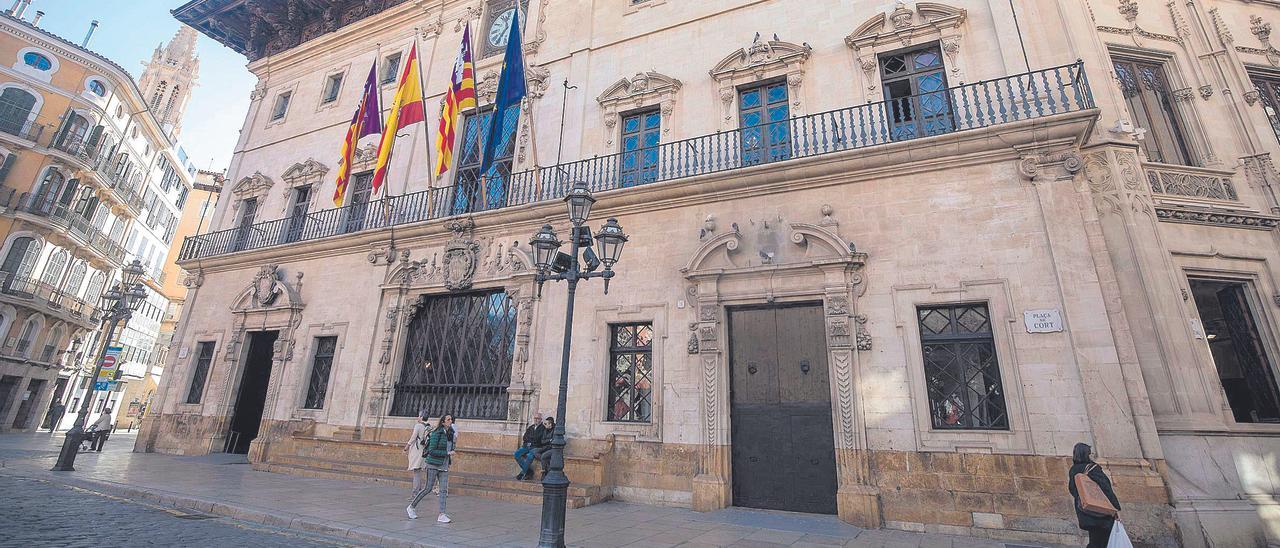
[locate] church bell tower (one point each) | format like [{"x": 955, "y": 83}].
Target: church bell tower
[{"x": 168, "y": 78}]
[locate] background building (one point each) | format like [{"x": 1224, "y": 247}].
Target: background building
[
  {"x": 889, "y": 260},
  {"x": 91, "y": 180}
]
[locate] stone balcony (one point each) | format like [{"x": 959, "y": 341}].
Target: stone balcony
[
  {"x": 65, "y": 227},
  {"x": 1021, "y": 103},
  {"x": 47, "y": 300}
]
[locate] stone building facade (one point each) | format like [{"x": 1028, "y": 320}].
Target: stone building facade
[
  {"x": 889, "y": 260},
  {"x": 87, "y": 178}
]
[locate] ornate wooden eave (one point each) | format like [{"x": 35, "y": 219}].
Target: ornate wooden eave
[{"x": 258, "y": 28}]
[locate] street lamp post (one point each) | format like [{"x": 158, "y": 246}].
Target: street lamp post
[
  {"x": 555, "y": 265},
  {"x": 118, "y": 304}
]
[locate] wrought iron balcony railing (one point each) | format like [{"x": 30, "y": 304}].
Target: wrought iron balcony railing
[
  {"x": 40, "y": 293},
  {"x": 1036, "y": 94},
  {"x": 61, "y": 216}
]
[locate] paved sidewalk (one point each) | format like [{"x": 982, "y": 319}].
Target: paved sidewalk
[{"x": 373, "y": 514}]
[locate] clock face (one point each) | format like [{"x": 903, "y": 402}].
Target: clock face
[{"x": 500, "y": 29}]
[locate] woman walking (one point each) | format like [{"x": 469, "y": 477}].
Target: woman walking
[
  {"x": 414, "y": 447},
  {"x": 1097, "y": 525},
  {"x": 438, "y": 452}
]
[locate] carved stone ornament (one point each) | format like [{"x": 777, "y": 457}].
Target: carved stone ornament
[
  {"x": 536, "y": 77},
  {"x": 1262, "y": 31},
  {"x": 885, "y": 32},
  {"x": 1251, "y": 97},
  {"x": 309, "y": 172},
  {"x": 863, "y": 337},
  {"x": 487, "y": 87},
  {"x": 252, "y": 185},
  {"x": 762, "y": 59},
  {"x": 643, "y": 89},
  {"x": 265, "y": 291},
  {"x": 461, "y": 255},
  {"x": 1129, "y": 10},
  {"x": 692, "y": 346}
]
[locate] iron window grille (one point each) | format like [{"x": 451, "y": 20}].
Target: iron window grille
[
  {"x": 321, "y": 365},
  {"x": 204, "y": 359},
  {"x": 1269, "y": 91},
  {"x": 641, "y": 133},
  {"x": 961, "y": 371},
  {"x": 1150, "y": 101},
  {"x": 458, "y": 353},
  {"x": 765, "y": 118},
  {"x": 630, "y": 372}
]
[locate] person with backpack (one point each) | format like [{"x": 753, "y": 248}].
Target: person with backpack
[
  {"x": 438, "y": 451},
  {"x": 415, "y": 449},
  {"x": 1091, "y": 513}
]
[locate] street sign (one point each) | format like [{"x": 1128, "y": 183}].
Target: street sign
[
  {"x": 102, "y": 385},
  {"x": 110, "y": 364}
]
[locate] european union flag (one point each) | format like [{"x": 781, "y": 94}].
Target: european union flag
[{"x": 511, "y": 89}]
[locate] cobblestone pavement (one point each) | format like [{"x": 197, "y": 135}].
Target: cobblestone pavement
[
  {"x": 249, "y": 502},
  {"x": 41, "y": 513}
]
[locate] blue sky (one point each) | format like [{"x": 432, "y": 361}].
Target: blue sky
[{"x": 128, "y": 31}]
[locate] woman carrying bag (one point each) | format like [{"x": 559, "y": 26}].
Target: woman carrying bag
[
  {"x": 1095, "y": 502},
  {"x": 439, "y": 452},
  {"x": 414, "y": 448}
]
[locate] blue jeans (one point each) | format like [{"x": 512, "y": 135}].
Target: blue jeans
[{"x": 524, "y": 457}]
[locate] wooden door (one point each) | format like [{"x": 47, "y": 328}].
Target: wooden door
[{"x": 783, "y": 442}]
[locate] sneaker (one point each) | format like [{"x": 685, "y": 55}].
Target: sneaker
[
  {"x": 444, "y": 518},
  {"x": 412, "y": 514},
  {"x": 435, "y": 490}
]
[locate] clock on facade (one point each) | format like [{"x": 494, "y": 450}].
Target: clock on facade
[{"x": 499, "y": 15}]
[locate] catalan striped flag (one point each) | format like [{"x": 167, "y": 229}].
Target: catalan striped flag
[
  {"x": 406, "y": 109},
  {"x": 366, "y": 121},
  {"x": 461, "y": 96}
]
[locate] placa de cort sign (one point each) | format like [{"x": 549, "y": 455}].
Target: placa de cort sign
[{"x": 1047, "y": 320}]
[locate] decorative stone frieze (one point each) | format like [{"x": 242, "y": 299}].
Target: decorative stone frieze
[
  {"x": 643, "y": 89},
  {"x": 761, "y": 60},
  {"x": 1225, "y": 219},
  {"x": 923, "y": 22}
]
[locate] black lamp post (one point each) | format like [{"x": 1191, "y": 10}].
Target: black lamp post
[
  {"x": 555, "y": 265},
  {"x": 118, "y": 305}
]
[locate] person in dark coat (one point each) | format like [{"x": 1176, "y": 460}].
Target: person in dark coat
[
  {"x": 542, "y": 451},
  {"x": 532, "y": 436},
  {"x": 1098, "y": 527}
]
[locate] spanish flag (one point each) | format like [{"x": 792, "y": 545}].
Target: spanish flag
[
  {"x": 406, "y": 109},
  {"x": 366, "y": 121},
  {"x": 461, "y": 96}
]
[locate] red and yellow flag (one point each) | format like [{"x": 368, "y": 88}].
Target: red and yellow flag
[
  {"x": 366, "y": 121},
  {"x": 461, "y": 96},
  {"x": 406, "y": 109}
]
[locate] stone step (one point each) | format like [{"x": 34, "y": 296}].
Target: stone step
[
  {"x": 400, "y": 474},
  {"x": 459, "y": 484}
]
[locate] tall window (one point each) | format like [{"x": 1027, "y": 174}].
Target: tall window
[
  {"x": 961, "y": 372},
  {"x": 1269, "y": 91},
  {"x": 321, "y": 365},
  {"x": 282, "y": 106},
  {"x": 96, "y": 284},
  {"x": 204, "y": 359},
  {"x": 47, "y": 194},
  {"x": 75, "y": 280},
  {"x": 1150, "y": 101},
  {"x": 53, "y": 269},
  {"x": 641, "y": 132},
  {"x": 248, "y": 213},
  {"x": 915, "y": 91},
  {"x": 358, "y": 205},
  {"x": 74, "y": 130},
  {"x": 469, "y": 195},
  {"x": 28, "y": 336},
  {"x": 457, "y": 359},
  {"x": 390, "y": 68},
  {"x": 631, "y": 372},
  {"x": 158, "y": 95},
  {"x": 51, "y": 345},
  {"x": 15, "y": 110},
  {"x": 763, "y": 115},
  {"x": 1244, "y": 367},
  {"x": 298, "y": 212},
  {"x": 21, "y": 260},
  {"x": 332, "y": 85}
]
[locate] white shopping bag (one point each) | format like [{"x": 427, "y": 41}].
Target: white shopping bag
[{"x": 1119, "y": 537}]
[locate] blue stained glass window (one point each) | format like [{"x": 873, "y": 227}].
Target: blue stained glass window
[
  {"x": 765, "y": 119},
  {"x": 641, "y": 134},
  {"x": 37, "y": 61},
  {"x": 468, "y": 194}
]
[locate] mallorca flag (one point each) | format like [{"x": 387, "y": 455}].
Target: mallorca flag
[
  {"x": 461, "y": 95},
  {"x": 406, "y": 109},
  {"x": 366, "y": 121}
]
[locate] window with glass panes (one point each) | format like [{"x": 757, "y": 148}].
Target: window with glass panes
[
  {"x": 298, "y": 212},
  {"x": 641, "y": 132},
  {"x": 630, "y": 372},
  {"x": 763, "y": 116},
  {"x": 204, "y": 359},
  {"x": 282, "y": 105},
  {"x": 1150, "y": 101},
  {"x": 1268, "y": 87},
  {"x": 390, "y": 68},
  {"x": 357, "y": 208},
  {"x": 962, "y": 374},
  {"x": 915, "y": 91},
  {"x": 321, "y": 365},
  {"x": 468, "y": 195},
  {"x": 332, "y": 85}
]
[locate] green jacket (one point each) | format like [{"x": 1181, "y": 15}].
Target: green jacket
[{"x": 437, "y": 450}]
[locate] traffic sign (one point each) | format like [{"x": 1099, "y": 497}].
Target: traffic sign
[
  {"x": 102, "y": 385},
  {"x": 110, "y": 364}
]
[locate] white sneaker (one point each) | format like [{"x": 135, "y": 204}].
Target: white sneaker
[
  {"x": 412, "y": 514},
  {"x": 444, "y": 518}
]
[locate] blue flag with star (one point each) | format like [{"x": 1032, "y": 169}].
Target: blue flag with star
[{"x": 511, "y": 90}]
